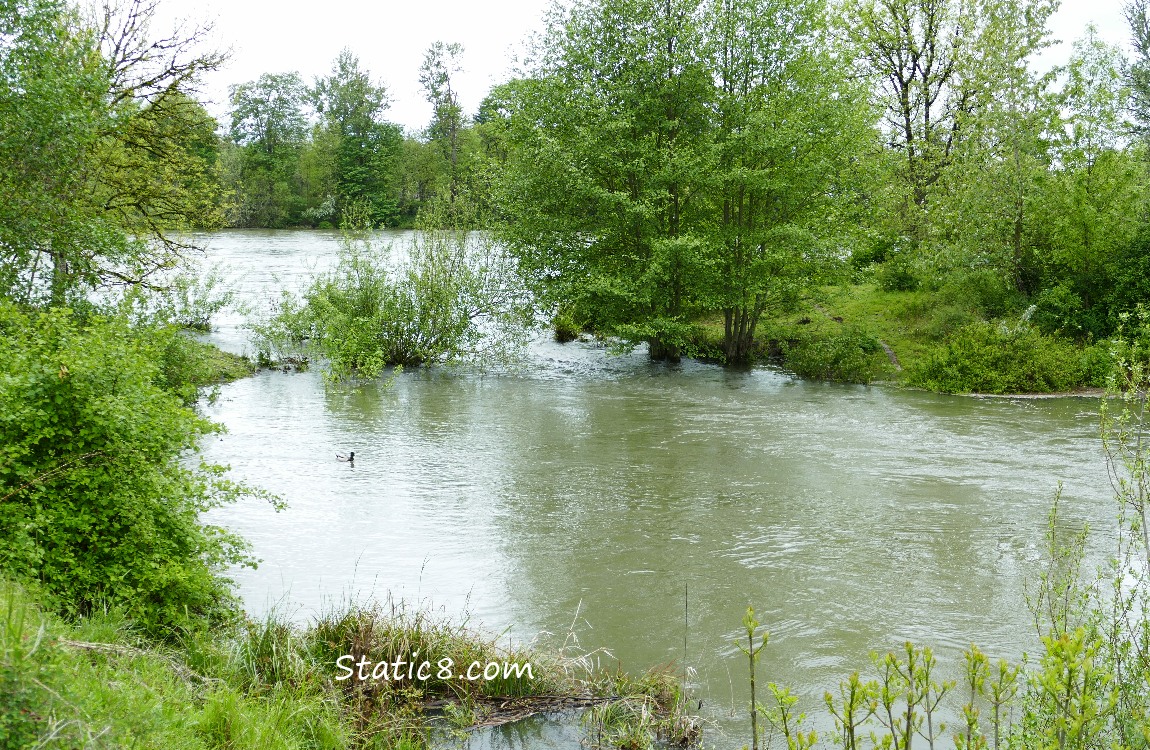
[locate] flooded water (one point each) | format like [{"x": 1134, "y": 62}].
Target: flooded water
[{"x": 646, "y": 505}]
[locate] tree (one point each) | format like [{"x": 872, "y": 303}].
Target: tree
[
  {"x": 440, "y": 63},
  {"x": 366, "y": 147},
  {"x": 1138, "y": 74},
  {"x": 1094, "y": 211},
  {"x": 604, "y": 190},
  {"x": 268, "y": 123},
  {"x": 669, "y": 159},
  {"x": 101, "y": 153},
  {"x": 790, "y": 128},
  {"x": 935, "y": 64}
]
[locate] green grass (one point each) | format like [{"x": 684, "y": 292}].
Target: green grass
[{"x": 271, "y": 684}]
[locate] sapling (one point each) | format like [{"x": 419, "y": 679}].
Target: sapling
[
  {"x": 858, "y": 703},
  {"x": 977, "y": 670},
  {"x": 753, "y": 652},
  {"x": 1003, "y": 689},
  {"x": 930, "y": 692},
  {"x": 902, "y": 681}
]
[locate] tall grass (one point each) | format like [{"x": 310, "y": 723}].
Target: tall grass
[{"x": 271, "y": 683}]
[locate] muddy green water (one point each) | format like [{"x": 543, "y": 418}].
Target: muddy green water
[{"x": 591, "y": 491}]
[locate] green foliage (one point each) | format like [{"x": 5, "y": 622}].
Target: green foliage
[
  {"x": 848, "y": 356},
  {"x": 995, "y": 358},
  {"x": 99, "y": 505},
  {"x": 366, "y": 147},
  {"x": 268, "y": 123},
  {"x": 753, "y": 654},
  {"x": 662, "y": 166},
  {"x": 445, "y": 298},
  {"x": 102, "y": 151},
  {"x": 897, "y": 275}
]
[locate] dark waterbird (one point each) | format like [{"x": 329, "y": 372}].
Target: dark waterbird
[{"x": 349, "y": 457}]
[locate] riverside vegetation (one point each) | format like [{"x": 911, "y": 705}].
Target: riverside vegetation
[
  {"x": 660, "y": 167},
  {"x": 860, "y": 189},
  {"x": 118, "y": 624}
]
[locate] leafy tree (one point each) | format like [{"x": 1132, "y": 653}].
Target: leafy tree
[
  {"x": 1094, "y": 209},
  {"x": 668, "y": 160},
  {"x": 102, "y": 152},
  {"x": 1138, "y": 74},
  {"x": 366, "y": 147},
  {"x": 604, "y": 191},
  {"x": 936, "y": 65},
  {"x": 440, "y": 63},
  {"x": 790, "y": 125},
  {"x": 268, "y": 121},
  {"x": 98, "y": 503}
]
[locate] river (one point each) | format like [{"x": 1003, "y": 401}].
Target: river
[{"x": 646, "y": 505}]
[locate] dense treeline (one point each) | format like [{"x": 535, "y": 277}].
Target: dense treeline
[
  {"x": 305, "y": 156},
  {"x": 672, "y": 160},
  {"x": 661, "y": 169}
]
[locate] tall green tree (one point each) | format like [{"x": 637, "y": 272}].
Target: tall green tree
[
  {"x": 268, "y": 122},
  {"x": 1096, "y": 204},
  {"x": 441, "y": 63},
  {"x": 366, "y": 147},
  {"x": 790, "y": 127},
  {"x": 672, "y": 158},
  {"x": 606, "y": 191},
  {"x": 936, "y": 64}
]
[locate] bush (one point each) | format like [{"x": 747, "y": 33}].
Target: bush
[
  {"x": 444, "y": 300},
  {"x": 944, "y": 320},
  {"x": 897, "y": 275},
  {"x": 566, "y": 327},
  {"x": 850, "y": 356},
  {"x": 992, "y": 358},
  {"x": 981, "y": 290},
  {"x": 97, "y": 502}
]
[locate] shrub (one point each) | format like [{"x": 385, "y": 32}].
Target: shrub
[
  {"x": 566, "y": 327},
  {"x": 444, "y": 300},
  {"x": 992, "y": 358},
  {"x": 850, "y": 356},
  {"x": 97, "y": 502},
  {"x": 897, "y": 275},
  {"x": 982, "y": 290},
  {"x": 944, "y": 320}
]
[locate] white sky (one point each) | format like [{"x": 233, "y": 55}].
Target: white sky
[{"x": 390, "y": 37}]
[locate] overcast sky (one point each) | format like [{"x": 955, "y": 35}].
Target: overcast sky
[{"x": 273, "y": 36}]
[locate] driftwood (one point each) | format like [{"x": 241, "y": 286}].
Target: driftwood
[{"x": 497, "y": 711}]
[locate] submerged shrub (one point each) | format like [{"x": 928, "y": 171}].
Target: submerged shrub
[
  {"x": 993, "y": 358},
  {"x": 444, "y": 299}
]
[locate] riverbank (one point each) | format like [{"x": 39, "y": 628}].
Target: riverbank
[
  {"x": 356, "y": 676},
  {"x": 860, "y": 333}
]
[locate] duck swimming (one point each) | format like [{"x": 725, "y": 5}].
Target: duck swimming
[{"x": 350, "y": 458}]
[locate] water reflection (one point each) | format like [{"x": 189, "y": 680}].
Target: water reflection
[{"x": 657, "y": 502}]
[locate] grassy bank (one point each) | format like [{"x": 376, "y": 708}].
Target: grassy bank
[
  {"x": 271, "y": 684},
  {"x": 860, "y": 333}
]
